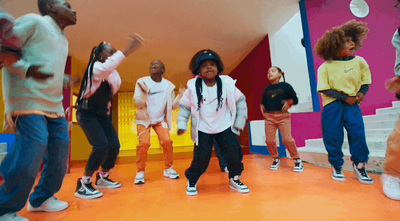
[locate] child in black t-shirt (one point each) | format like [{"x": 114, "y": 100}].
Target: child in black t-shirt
[{"x": 277, "y": 99}]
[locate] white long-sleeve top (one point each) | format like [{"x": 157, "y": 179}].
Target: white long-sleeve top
[{"x": 106, "y": 71}]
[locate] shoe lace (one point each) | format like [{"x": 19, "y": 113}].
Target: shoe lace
[
  {"x": 338, "y": 170},
  {"x": 238, "y": 182},
  {"x": 90, "y": 187},
  {"x": 362, "y": 172},
  {"x": 108, "y": 179}
]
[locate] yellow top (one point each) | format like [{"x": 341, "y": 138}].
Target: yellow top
[{"x": 343, "y": 76}]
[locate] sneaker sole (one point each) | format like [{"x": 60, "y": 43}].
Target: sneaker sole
[
  {"x": 139, "y": 182},
  {"x": 366, "y": 182},
  {"x": 33, "y": 209},
  {"x": 274, "y": 169},
  {"x": 339, "y": 179},
  {"x": 239, "y": 190},
  {"x": 88, "y": 197},
  {"x": 172, "y": 177},
  {"x": 191, "y": 193},
  {"x": 299, "y": 171},
  {"x": 108, "y": 187}
]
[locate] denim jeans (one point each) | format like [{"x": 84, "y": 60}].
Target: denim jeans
[
  {"x": 38, "y": 139},
  {"x": 336, "y": 116},
  {"x": 102, "y": 136},
  {"x": 230, "y": 148}
]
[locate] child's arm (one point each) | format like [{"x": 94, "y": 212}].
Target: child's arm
[
  {"x": 241, "y": 110},
  {"x": 175, "y": 104},
  {"x": 141, "y": 94},
  {"x": 293, "y": 99},
  {"x": 184, "y": 113},
  {"x": 25, "y": 27}
]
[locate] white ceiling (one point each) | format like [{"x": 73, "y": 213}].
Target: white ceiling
[{"x": 174, "y": 30}]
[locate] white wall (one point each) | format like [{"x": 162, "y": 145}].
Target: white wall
[{"x": 288, "y": 53}]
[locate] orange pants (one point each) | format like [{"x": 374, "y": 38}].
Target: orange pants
[
  {"x": 281, "y": 120},
  {"x": 144, "y": 145},
  {"x": 392, "y": 160}
]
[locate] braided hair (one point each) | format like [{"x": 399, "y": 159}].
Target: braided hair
[
  {"x": 195, "y": 65},
  {"x": 88, "y": 77}
]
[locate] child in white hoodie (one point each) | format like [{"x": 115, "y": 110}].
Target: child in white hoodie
[{"x": 219, "y": 112}]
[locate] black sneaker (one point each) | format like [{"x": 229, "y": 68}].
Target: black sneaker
[
  {"x": 235, "y": 184},
  {"x": 86, "y": 191},
  {"x": 275, "y": 164},
  {"x": 191, "y": 188},
  {"x": 298, "y": 165},
  {"x": 362, "y": 174},
  {"x": 337, "y": 174},
  {"x": 106, "y": 183}
]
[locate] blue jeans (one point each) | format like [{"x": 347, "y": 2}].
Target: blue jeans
[
  {"x": 336, "y": 116},
  {"x": 230, "y": 148},
  {"x": 102, "y": 136},
  {"x": 38, "y": 139}
]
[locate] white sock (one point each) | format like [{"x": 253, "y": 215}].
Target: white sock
[{"x": 87, "y": 179}]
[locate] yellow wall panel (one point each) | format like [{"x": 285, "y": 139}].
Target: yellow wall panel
[{"x": 127, "y": 127}]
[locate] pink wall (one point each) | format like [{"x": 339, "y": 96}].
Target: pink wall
[
  {"x": 378, "y": 51},
  {"x": 251, "y": 74}
]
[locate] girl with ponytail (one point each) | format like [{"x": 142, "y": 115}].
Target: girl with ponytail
[
  {"x": 219, "y": 112},
  {"x": 277, "y": 99},
  {"x": 99, "y": 84}
]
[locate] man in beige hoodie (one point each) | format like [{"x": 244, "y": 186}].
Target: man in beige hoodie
[{"x": 155, "y": 99}]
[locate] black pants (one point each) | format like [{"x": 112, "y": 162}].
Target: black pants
[
  {"x": 230, "y": 148},
  {"x": 102, "y": 136}
]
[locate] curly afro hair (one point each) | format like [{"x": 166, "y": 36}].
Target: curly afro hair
[{"x": 331, "y": 44}]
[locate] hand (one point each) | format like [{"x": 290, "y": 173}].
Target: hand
[
  {"x": 7, "y": 58},
  {"x": 180, "y": 132},
  {"x": 262, "y": 109},
  {"x": 135, "y": 42},
  {"x": 393, "y": 85},
  {"x": 182, "y": 90},
  {"x": 286, "y": 105},
  {"x": 144, "y": 87},
  {"x": 9, "y": 123},
  {"x": 360, "y": 97},
  {"x": 34, "y": 72},
  {"x": 351, "y": 100},
  {"x": 73, "y": 81}
]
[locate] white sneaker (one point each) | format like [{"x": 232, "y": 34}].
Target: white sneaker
[
  {"x": 391, "y": 186},
  {"x": 275, "y": 164},
  {"x": 235, "y": 184},
  {"x": 362, "y": 174},
  {"x": 86, "y": 191},
  {"x": 337, "y": 174},
  {"x": 52, "y": 204},
  {"x": 139, "y": 178},
  {"x": 191, "y": 188},
  {"x": 12, "y": 217},
  {"x": 171, "y": 173},
  {"x": 298, "y": 165},
  {"x": 106, "y": 183}
]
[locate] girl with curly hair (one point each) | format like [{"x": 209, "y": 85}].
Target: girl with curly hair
[
  {"x": 343, "y": 81},
  {"x": 219, "y": 112}
]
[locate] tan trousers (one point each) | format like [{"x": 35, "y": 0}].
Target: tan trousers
[
  {"x": 281, "y": 120},
  {"x": 142, "y": 149},
  {"x": 392, "y": 160}
]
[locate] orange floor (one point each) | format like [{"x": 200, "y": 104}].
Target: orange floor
[{"x": 274, "y": 195}]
